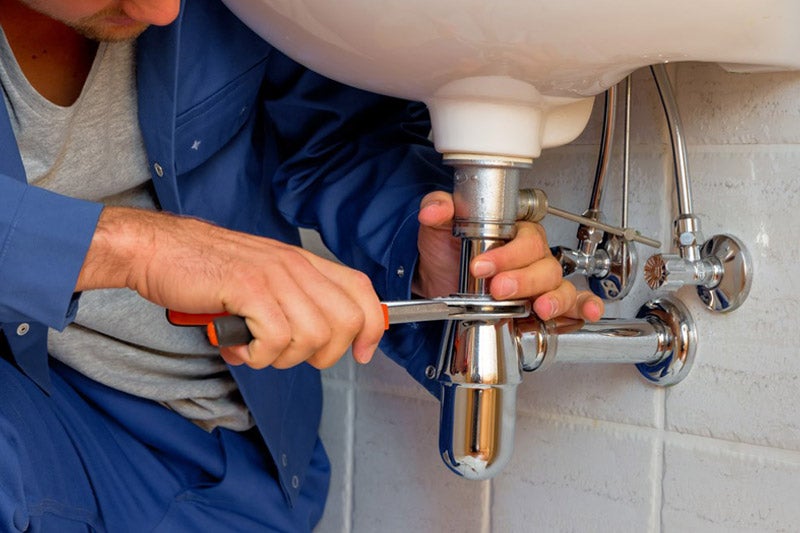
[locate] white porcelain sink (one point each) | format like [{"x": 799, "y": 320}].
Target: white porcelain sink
[{"x": 509, "y": 77}]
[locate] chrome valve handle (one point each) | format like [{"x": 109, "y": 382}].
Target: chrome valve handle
[
  {"x": 722, "y": 274},
  {"x": 534, "y": 206}
]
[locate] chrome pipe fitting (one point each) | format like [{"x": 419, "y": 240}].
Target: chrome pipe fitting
[
  {"x": 682, "y": 183},
  {"x": 722, "y": 275},
  {"x": 578, "y": 262},
  {"x": 483, "y": 356},
  {"x": 479, "y": 366},
  {"x": 661, "y": 341},
  {"x": 485, "y": 195},
  {"x": 608, "y": 260},
  {"x": 479, "y": 378},
  {"x": 671, "y": 272},
  {"x": 719, "y": 268},
  {"x": 483, "y": 360}
]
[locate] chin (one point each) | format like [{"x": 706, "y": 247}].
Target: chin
[{"x": 113, "y": 32}]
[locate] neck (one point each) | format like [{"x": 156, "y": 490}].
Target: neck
[{"x": 55, "y": 59}]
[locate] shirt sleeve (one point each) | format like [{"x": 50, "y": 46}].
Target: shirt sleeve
[
  {"x": 355, "y": 166},
  {"x": 44, "y": 238}
]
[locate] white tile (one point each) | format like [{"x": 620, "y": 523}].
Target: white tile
[
  {"x": 567, "y": 176},
  {"x": 570, "y": 477},
  {"x": 401, "y": 483},
  {"x": 383, "y": 374},
  {"x": 712, "y": 489},
  {"x": 336, "y": 433},
  {"x": 615, "y": 393}
]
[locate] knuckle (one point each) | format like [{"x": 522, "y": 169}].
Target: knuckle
[
  {"x": 570, "y": 292},
  {"x": 323, "y": 362},
  {"x": 361, "y": 281},
  {"x": 353, "y": 321},
  {"x": 278, "y": 341},
  {"x": 256, "y": 364},
  {"x": 318, "y": 338},
  {"x": 553, "y": 270},
  {"x": 534, "y": 240}
]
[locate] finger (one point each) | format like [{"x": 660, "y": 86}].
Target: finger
[
  {"x": 235, "y": 355},
  {"x": 267, "y": 322},
  {"x": 588, "y": 307},
  {"x": 436, "y": 210},
  {"x": 280, "y": 315},
  {"x": 311, "y": 327},
  {"x": 528, "y": 246},
  {"x": 555, "y": 302},
  {"x": 438, "y": 249},
  {"x": 542, "y": 276},
  {"x": 356, "y": 314}
]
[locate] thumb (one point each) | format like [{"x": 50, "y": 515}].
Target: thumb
[{"x": 436, "y": 209}]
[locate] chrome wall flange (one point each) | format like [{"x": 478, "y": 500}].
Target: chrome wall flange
[
  {"x": 678, "y": 341},
  {"x": 734, "y": 284}
]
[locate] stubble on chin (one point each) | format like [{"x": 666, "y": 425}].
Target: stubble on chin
[{"x": 102, "y": 27}]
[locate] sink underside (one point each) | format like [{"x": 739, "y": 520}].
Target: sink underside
[{"x": 530, "y": 57}]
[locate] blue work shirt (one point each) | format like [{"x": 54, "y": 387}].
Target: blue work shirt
[{"x": 240, "y": 135}]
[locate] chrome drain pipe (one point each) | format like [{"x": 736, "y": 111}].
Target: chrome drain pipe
[
  {"x": 661, "y": 341},
  {"x": 483, "y": 362},
  {"x": 484, "y": 354},
  {"x": 479, "y": 367}
]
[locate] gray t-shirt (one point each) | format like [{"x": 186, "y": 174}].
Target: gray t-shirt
[{"x": 93, "y": 150}]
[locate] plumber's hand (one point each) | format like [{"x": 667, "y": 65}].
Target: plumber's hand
[
  {"x": 522, "y": 268},
  {"x": 298, "y": 306}
]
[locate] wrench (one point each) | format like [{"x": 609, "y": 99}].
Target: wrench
[{"x": 224, "y": 329}]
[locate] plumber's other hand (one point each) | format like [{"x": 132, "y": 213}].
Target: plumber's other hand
[{"x": 522, "y": 268}]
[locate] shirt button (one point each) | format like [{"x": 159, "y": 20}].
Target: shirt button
[
  {"x": 284, "y": 460},
  {"x": 430, "y": 372},
  {"x": 295, "y": 482},
  {"x": 23, "y": 328},
  {"x": 159, "y": 170}
]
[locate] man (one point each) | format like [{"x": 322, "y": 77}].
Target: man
[{"x": 156, "y": 155}]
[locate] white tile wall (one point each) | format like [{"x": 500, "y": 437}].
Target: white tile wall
[
  {"x": 573, "y": 475},
  {"x": 597, "y": 449},
  {"x": 717, "y": 486}
]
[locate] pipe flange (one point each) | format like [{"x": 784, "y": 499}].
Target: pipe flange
[
  {"x": 734, "y": 284},
  {"x": 679, "y": 342}
]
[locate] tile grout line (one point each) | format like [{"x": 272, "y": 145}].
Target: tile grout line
[
  {"x": 659, "y": 451},
  {"x": 488, "y": 495},
  {"x": 349, "y": 511}
]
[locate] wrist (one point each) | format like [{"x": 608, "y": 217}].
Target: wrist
[{"x": 115, "y": 256}]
